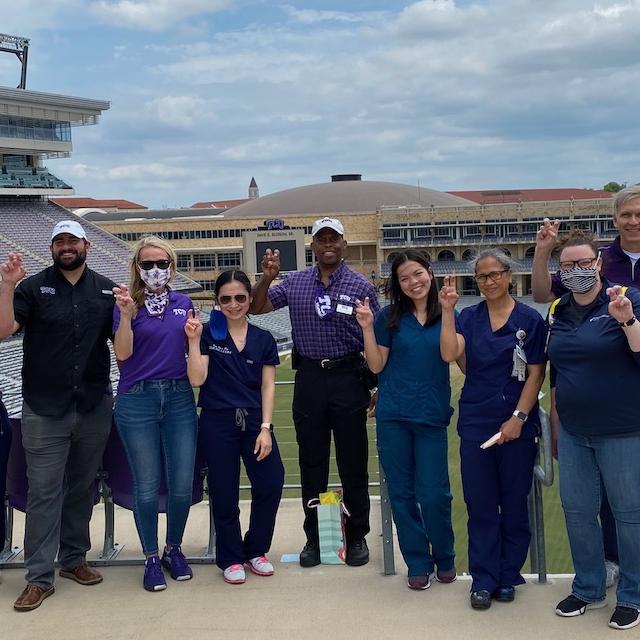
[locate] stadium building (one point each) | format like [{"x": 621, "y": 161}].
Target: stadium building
[{"x": 380, "y": 219}]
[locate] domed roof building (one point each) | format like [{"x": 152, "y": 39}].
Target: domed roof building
[{"x": 344, "y": 194}]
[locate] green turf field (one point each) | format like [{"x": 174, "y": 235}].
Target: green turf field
[{"x": 558, "y": 557}]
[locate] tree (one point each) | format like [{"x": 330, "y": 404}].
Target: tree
[{"x": 613, "y": 187}]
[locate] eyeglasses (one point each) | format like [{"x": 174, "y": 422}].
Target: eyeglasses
[
  {"x": 147, "y": 265},
  {"x": 583, "y": 263},
  {"x": 240, "y": 298},
  {"x": 494, "y": 276}
]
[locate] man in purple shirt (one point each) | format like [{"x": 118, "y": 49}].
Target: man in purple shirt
[
  {"x": 619, "y": 266},
  {"x": 331, "y": 392}
]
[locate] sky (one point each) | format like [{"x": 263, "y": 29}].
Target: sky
[{"x": 448, "y": 94}]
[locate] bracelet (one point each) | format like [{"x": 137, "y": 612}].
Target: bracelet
[{"x": 629, "y": 322}]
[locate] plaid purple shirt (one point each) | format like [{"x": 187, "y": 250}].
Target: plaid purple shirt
[{"x": 336, "y": 334}]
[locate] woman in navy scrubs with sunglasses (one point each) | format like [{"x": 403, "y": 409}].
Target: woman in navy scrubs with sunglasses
[
  {"x": 234, "y": 362},
  {"x": 502, "y": 342}
]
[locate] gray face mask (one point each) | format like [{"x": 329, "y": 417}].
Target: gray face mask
[{"x": 579, "y": 280}]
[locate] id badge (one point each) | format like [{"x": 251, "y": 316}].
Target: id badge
[{"x": 344, "y": 308}]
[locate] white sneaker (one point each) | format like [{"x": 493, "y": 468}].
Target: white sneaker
[
  {"x": 613, "y": 572},
  {"x": 234, "y": 574},
  {"x": 261, "y": 566}
]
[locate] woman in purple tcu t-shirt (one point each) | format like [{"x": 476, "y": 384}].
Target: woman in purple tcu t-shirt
[{"x": 155, "y": 410}]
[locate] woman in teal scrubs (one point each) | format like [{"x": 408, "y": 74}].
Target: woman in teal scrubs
[
  {"x": 503, "y": 344},
  {"x": 412, "y": 415}
]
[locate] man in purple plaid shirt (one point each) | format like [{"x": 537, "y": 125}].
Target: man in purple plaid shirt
[{"x": 331, "y": 391}]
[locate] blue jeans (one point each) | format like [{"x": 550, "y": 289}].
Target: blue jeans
[
  {"x": 585, "y": 463},
  {"x": 414, "y": 459},
  {"x": 157, "y": 421}
]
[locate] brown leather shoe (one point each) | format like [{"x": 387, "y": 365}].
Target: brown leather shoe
[
  {"x": 32, "y": 597},
  {"x": 82, "y": 574}
]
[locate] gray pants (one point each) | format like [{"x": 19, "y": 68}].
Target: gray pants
[{"x": 63, "y": 456}]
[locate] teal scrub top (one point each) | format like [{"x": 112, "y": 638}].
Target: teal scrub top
[{"x": 414, "y": 384}]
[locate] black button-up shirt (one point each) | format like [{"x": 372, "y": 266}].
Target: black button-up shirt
[{"x": 66, "y": 328}]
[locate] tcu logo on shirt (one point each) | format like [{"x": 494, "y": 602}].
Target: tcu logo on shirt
[
  {"x": 344, "y": 298},
  {"x": 49, "y": 290},
  {"x": 323, "y": 305},
  {"x": 179, "y": 312}
]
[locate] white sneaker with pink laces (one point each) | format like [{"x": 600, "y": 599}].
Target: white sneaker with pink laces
[
  {"x": 261, "y": 566},
  {"x": 234, "y": 574}
]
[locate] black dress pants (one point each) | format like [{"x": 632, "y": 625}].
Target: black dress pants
[{"x": 325, "y": 401}]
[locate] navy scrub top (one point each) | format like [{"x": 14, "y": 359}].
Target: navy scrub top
[
  {"x": 490, "y": 394},
  {"x": 234, "y": 379},
  {"x": 414, "y": 384}
]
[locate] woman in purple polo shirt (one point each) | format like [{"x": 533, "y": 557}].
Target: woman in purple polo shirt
[
  {"x": 234, "y": 363},
  {"x": 155, "y": 410}
]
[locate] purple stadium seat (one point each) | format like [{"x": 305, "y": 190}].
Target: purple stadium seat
[
  {"x": 119, "y": 479},
  {"x": 17, "y": 482}
]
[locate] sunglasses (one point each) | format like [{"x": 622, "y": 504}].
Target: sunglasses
[
  {"x": 147, "y": 265},
  {"x": 240, "y": 298}
]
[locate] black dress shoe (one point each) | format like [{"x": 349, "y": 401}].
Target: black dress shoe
[
  {"x": 480, "y": 599},
  {"x": 310, "y": 555},
  {"x": 505, "y": 593},
  {"x": 357, "y": 553}
]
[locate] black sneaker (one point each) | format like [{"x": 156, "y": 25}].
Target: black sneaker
[
  {"x": 624, "y": 618},
  {"x": 480, "y": 599},
  {"x": 310, "y": 555},
  {"x": 572, "y": 606},
  {"x": 505, "y": 593},
  {"x": 357, "y": 553}
]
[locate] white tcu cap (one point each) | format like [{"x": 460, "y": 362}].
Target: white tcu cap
[
  {"x": 330, "y": 223},
  {"x": 69, "y": 226}
]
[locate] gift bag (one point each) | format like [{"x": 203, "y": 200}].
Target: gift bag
[{"x": 331, "y": 513}]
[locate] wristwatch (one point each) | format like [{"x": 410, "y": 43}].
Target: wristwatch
[
  {"x": 267, "y": 425},
  {"x": 521, "y": 415},
  {"x": 629, "y": 322}
]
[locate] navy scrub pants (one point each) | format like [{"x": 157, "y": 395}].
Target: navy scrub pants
[
  {"x": 496, "y": 483},
  {"x": 226, "y": 436}
]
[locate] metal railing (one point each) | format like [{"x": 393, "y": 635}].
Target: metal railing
[{"x": 543, "y": 476}]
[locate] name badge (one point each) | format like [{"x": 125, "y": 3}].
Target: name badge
[{"x": 344, "y": 308}]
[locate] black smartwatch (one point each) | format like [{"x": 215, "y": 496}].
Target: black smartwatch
[
  {"x": 629, "y": 322},
  {"x": 521, "y": 415}
]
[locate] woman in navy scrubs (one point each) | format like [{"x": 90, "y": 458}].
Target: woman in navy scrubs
[
  {"x": 235, "y": 364},
  {"x": 503, "y": 345},
  {"x": 412, "y": 415}
]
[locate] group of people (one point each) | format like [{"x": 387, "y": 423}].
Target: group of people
[{"x": 341, "y": 340}]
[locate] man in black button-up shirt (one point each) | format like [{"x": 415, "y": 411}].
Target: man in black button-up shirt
[{"x": 66, "y": 313}]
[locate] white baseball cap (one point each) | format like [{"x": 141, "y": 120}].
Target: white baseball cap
[
  {"x": 69, "y": 226},
  {"x": 330, "y": 223}
]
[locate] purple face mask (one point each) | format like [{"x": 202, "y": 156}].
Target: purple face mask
[{"x": 155, "y": 278}]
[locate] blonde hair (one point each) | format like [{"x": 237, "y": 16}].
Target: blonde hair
[{"x": 137, "y": 286}]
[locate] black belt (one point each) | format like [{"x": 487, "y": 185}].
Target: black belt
[{"x": 334, "y": 363}]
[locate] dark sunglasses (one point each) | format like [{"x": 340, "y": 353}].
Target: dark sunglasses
[
  {"x": 147, "y": 265},
  {"x": 240, "y": 298}
]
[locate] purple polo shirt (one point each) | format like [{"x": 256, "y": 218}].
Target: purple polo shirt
[
  {"x": 337, "y": 334},
  {"x": 616, "y": 267},
  {"x": 159, "y": 344}
]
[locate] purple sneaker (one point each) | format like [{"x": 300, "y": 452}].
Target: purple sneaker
[
  {"x": 176, "y": 563},
  {"x": 153, "y": 576}
]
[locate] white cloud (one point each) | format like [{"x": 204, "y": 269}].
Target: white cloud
[
  {"x": 154, "y": 15},
  {"x": 313, "y": 16},
  {"x": 182, "y": 112},
  {"x": 151, "y": 170}
]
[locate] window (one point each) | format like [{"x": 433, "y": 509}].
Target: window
[
  {"x": 204, "y": 262},
  {"x": 184, "y": 261},
  {"x": 229, "y": 260}
]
